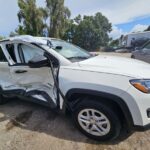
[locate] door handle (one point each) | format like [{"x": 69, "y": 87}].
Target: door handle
[{"x": 21, "y": 71}]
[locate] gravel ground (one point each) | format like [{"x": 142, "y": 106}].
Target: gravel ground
[{"x": 27, "y": 126}]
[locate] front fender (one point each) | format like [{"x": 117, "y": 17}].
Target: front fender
[{"x": 111, "y": 86}]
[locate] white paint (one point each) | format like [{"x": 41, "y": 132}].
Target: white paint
[{"x": 102, "y": 73}]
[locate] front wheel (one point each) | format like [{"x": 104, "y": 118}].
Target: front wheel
[{"x": 97, "y": 121}]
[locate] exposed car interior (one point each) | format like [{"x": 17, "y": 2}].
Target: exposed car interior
[
  {"x": 11, "y": 50},
  {"x": 2, "y": 56}
]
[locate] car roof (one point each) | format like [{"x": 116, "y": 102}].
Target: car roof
[{"x": 28, "y": 39}]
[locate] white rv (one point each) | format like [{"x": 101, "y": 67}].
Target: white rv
[{"x": 130, "y": 39}]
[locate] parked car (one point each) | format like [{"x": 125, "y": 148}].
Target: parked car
[
  {"x": 140, "y": 42},
  {"x": 123, "y": 50},
  {"x": 142, "y": 53},
  {"x": 94, "y": 53},
  {"x": 133, "y": 40},
  {"x": 104, "y": 94}
]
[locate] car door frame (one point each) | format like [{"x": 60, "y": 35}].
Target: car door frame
[
  {"x": 5, "y": 72},
  {"x": 11, "y": 63}
]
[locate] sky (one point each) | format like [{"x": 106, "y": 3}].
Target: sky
[{"x": 125, "y": 15}]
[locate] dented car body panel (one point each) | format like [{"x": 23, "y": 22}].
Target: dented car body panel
[{"x": 19, "y": 78}]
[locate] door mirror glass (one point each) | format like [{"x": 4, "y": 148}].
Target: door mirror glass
[{"x": 38, "y": 61}]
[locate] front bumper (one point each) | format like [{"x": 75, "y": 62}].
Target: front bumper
[
  {"x": 142, "y": 128},
  {"x": 138, "y": 104}
]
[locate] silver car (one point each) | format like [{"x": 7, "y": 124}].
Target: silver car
[{"x": 142, "y": 53}]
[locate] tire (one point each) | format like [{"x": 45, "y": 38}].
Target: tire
[
  {"x": 105, "y": 132},
  {"x": 132, "y": 56},
  {"x": 3, "y": 100}
]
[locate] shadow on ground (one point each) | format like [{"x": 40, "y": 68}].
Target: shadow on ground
[{"x": 41, "y": 119}]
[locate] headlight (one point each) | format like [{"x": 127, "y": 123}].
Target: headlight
[{"x": 142, "y": 85}]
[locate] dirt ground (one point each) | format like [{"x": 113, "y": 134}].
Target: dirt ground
[
  {"x": 116, "y": 54},
  {"x": 28, "y": 126}
]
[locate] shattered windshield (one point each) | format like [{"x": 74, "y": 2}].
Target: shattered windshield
[{"x": 69, "y": 51}]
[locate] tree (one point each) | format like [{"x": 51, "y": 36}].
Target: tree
[
  {"x": 78, "y": 19},
  {"x": 91, "y": 32},
  {"x": 59, "y": 16},
  {"x": 31, "y": 18},
  {"x": 1, "y": 37},
  {"x": 70, "y": 31},
  {"x": 114, "y": 43}
]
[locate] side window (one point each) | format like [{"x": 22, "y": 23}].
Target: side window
[
  {"x": 2, "y": 56},
  {"x": 26, "y": 52},
  {"x": 147, "y": 48},
  {"x": 11, "y": 50}
]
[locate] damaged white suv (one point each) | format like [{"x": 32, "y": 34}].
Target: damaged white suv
[{"x": 104, "y": 94}]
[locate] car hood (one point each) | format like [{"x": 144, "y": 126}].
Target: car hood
[{"x": 117, "y": 65}]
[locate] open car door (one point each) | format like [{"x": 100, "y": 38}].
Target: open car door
[{"x": 35, "y": 84}]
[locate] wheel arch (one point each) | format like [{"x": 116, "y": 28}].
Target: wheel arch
[{"x": 72, "y": 97}]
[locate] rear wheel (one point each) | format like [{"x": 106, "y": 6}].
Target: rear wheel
[
  {"x": 132, "y": 56},
  {"x": 3, "y": 100},
  {"x": 97, "y": 121}
]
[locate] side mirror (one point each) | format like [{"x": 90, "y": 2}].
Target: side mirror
[
  {"x": 138, "y": 48},
  {"x": 58, "y": 47},
  {"x": 38, "y": 61}
]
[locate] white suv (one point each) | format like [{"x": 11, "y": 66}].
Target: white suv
[{"x": 104, "y": 94}]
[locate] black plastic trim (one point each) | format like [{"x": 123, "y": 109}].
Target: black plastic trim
[
  {"x": 28, "y": 96},
  {"x": 141, "y": 128},
  {"x": 118, "y": 100}
]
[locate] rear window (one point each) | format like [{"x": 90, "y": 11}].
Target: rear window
[{"x": 2, "y": 56}]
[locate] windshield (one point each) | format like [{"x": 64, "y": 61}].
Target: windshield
[{"x": 69, "y": 51}]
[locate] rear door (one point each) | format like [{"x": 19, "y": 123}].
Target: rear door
[
  {"x": 35, "y": 83},
  {"x": 145, "y": 53}
]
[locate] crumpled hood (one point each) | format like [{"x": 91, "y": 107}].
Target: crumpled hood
[{"x": 117, "y": 65}]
